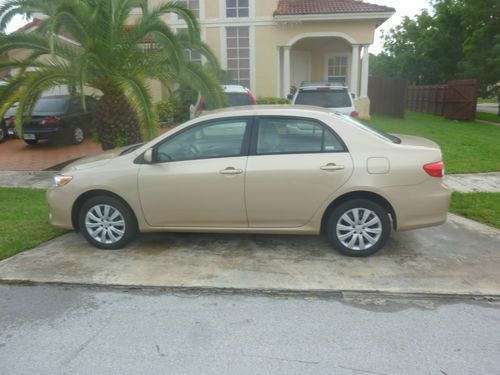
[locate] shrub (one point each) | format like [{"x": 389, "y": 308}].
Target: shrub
[
  {"x": 166, "y": 110},
  {"x": 272, "y": 100}
]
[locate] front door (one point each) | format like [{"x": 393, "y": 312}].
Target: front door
[
  {"x": 198, "y": 177},
  {"x": 296, "y": 166},
  {"x": 300, "y": 67}
]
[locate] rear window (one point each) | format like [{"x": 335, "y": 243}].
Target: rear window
[
  {"x": 324, "y": 98},
  {"x": 374, "y": 131},
  {"x": 52, "y": 105},
  {"x": 239, "y": 99}
]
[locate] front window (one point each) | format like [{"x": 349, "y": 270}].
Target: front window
[
  {"x": 327, "y": 98},
  {"x": 237, "y": 8},
  {"x": 337, "y": 69},
  {"x": 212, "y": 140},
  {"x": 238, "y": 54},
  {"x": 289, "y": 136}
]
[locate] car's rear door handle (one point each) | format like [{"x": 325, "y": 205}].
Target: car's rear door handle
[
  {"x": 231, "y": 170},
  {"x": 331, "y": 167}
]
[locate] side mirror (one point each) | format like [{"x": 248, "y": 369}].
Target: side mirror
[
  {"x": 289, "y": 97},
  {"x": 148, "y": 156}
]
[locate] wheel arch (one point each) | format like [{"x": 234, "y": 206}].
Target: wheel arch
[
  {"x": 361, "y": 194},
  {"x": 77, "y": 205}
]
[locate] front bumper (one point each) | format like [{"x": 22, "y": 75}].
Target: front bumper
[{"x": 61, "y": 201}]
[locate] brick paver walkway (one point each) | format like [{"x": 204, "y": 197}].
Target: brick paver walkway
[{"x": 15, "y": 155}]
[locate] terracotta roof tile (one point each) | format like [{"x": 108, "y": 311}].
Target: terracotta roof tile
[{"x": 297, "y": 7}]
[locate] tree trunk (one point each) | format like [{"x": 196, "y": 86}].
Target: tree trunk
[{"x": 115, "y": 122}]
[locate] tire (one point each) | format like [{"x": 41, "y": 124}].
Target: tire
[
  {"x": 100, "y": 233},
  {"x": 77, "y": 135},
  {"x": 31, "y": 142},
  {"x": 354, "y": 237}
]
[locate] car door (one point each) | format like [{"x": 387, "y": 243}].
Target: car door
[
  {"x": 294, "y": 166},
  {"x": 197, "y": 179}
]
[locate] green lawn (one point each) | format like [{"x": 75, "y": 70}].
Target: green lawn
[
  {"x": 491, "y": 117},
  {"x": 482, "y": 207},
  {"x": 467, "y": 146},
  {"x": 24, "y": 220}
]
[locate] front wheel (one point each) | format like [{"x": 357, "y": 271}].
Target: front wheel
[
  {"x": 107, "y": 223},
  {"x": 77, "y": 135},
  {"x": 358, "y": 227}
]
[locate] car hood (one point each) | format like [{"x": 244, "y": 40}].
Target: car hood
[{"x": 94, "y": 161}]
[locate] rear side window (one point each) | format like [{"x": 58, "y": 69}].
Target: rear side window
[
  {"x": 291, "y": 136},
  {"x": 239, "y": 99},
  {"x": 51, "y": 105},
  {"x": 326, "y": 98}
]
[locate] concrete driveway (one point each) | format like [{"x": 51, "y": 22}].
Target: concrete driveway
[{"x": 459, "y": 257}]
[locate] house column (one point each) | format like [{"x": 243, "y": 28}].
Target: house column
[
  {"x": 286, "y": 70},
  {"x": 354, "y": 86},
  {"x": 364, "y": 72}
]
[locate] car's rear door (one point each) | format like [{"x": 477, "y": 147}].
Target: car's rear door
[
  {"x": 198, "y": 178},
  {"x": 294, "y": 166}
]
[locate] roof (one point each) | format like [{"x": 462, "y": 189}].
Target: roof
[{"x": 298, "y": 7}]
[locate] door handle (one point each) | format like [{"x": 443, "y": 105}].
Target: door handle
[
  {"x": 231, "y": 170},
  {"x": 332, "y": 167}
]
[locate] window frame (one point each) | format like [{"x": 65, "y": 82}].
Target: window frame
[
  {"x": 255, "y": 135},
  {"x": 347, "y": 67},
  {"x": 237, "y": 8},
  {"x": 244, "y": 146}
]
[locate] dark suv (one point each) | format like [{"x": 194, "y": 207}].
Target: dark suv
[{"x": 58, "y": 118}]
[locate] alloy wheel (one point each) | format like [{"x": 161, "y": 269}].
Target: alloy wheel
[
  {"x": 105, "y": 224},
  {"x": 359, "y": 229}
]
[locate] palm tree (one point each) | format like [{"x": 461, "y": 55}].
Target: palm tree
[{"x": 91, "y": 44}]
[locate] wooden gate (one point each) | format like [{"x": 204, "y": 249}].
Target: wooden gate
[{"x": 461, "y": 100}]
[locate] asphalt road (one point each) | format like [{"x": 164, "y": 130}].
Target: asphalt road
[{"x": 76, "y": 330}]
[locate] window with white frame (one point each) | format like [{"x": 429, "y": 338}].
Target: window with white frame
[
  {"x": 193, "y": 5},
  {"x": 238, "y": 54},
  {"x": 337, "y": 69},
  {"x": 237, "y": 8},
  {"x": 190, "y": 54}
]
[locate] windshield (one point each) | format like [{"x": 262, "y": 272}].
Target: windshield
[
  {"x": 329, "y": 98},
  {"x": 374, "y": 131},
  {"x": 51, "y": 105},
  {"x": 239, "y": 99}
]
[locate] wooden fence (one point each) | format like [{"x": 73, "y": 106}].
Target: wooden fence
[{"x": 387, "y": 96}]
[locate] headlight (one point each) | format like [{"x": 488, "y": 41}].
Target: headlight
[{"x": 61, "y": 180}]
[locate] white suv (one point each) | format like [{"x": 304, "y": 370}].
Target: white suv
[{"x": 327, "y": 95}]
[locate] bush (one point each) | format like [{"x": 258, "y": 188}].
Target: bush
[
  {"x": 272, "y": 100},
  {"x": 166, "y": 110}
]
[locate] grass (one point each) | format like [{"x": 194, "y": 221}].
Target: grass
[
  {"x": 467, "y": 146},
  {"x": 482, "y": 207},
  {"x": 491, "y": 117},
  {"x": 24, "y": 220},
  {"x": 487, "y": 100}
]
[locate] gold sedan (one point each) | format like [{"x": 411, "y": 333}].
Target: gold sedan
[{"x": 261, "y": 169}]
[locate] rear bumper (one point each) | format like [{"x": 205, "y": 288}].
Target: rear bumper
[
  {"x": 45, "y": 133},
  {"x": 420, "y": 206}
]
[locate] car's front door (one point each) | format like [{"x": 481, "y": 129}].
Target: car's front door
[
  {"x": 294, "y": 167},
  {"x": 198, "y": 177}
]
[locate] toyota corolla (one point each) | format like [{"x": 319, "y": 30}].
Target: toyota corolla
[{"x": 261, "y": 169}]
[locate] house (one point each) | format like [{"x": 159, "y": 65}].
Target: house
[{"x": 272, "y": 45}]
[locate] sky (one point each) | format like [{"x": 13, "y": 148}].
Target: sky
[{"x": 403, "y": 8}]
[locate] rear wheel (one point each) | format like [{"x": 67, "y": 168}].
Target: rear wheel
[
  {"x": 31, "y": 141},
  {"x": 107, "y": 223},
  {"x": 77, "y": 135},
  {"x": 359, "y": 227}
]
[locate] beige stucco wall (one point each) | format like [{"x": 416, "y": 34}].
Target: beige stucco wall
[
  {"x": 212, "y": 38},
  {"x": 264, "y": 8}
]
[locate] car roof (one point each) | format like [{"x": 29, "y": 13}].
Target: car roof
[
  {"x": 271, "y": 110},
  {"x": 317, "y": 84}
]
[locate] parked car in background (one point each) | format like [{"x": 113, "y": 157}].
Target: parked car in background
[
  {"x": 59, "y": 118},
  {"x": 236, "y": 96},
  {"x": 8, "y": 124},
  {"x": 266, "y": 169},
  {"x": 327, "y": 95}
]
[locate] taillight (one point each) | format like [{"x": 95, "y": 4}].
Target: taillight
[
  {"x": 50, "y": 121},
  {"x": 435, "y": 169},
  {"x": 355, "y": 114}
]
